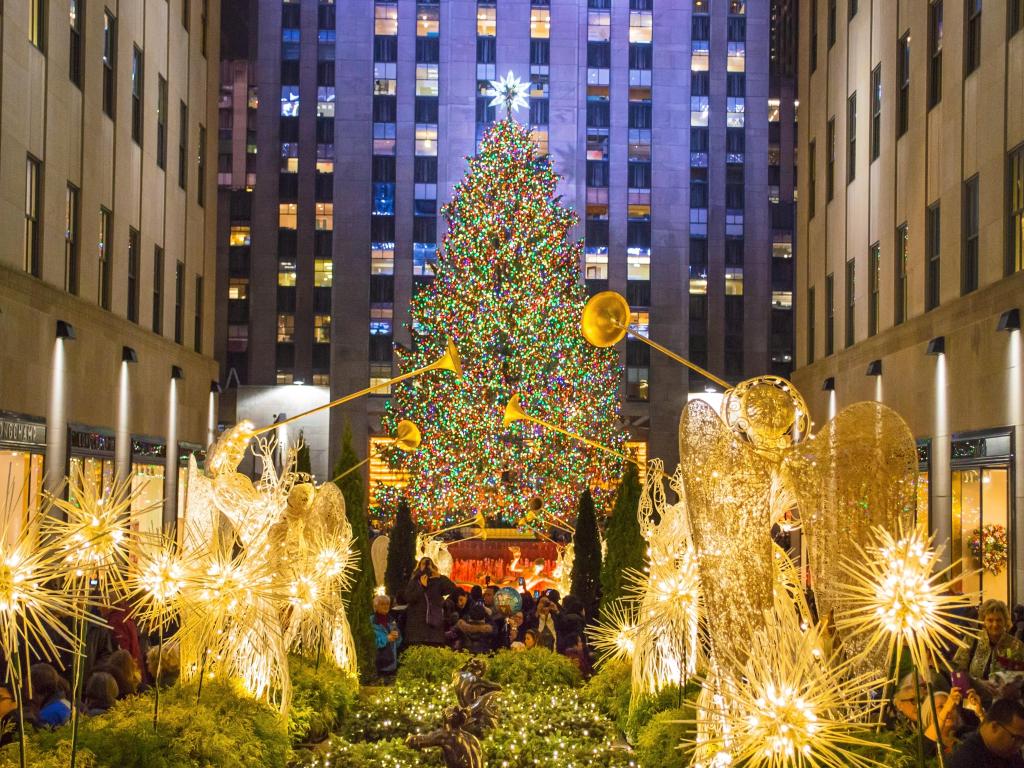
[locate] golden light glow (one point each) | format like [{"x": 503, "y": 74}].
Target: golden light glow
[
  {"x": 785, "y": 706},
  {"x": 897, "y": 593}
]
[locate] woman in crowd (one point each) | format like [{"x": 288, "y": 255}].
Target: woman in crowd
[
  {"x": 49, "y": 696},
  {"x": 122, "y": 667},
  {"x": 476, "y": 631},
  {"x": 993, "y": 650},
  {"x": 100, "y": 693},
  {"x": 385, "y": 630},
  {"x": 956, "y": 712},
  {"x": 425, "y": 596}
]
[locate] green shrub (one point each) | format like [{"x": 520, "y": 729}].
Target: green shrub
[
  {"x": 39, "y": 757},
  {"x": 429, "y": 664},
  {"x": 647, "y": 707},
  {"x": 392, "y": 753},
  {"x": 408, "y": 706},
  {"x": 227, "y": 730},
  {"x": 657, "y": 742},
  {"x": 609, "y": 688},
  {"x": 321, "y": 698},
  {"x": 536, "y": 669}
]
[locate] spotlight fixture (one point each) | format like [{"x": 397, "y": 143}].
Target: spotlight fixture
[
  {"x": 176, "y": 372},
  {"x": 65, "y": 330},
  {"x": 937, "y": 346},
  {"x": 1009, "y": 320},
  {"x": 874, "y": 368},
  {"x": 128, "y": 355},
  {"x": 829, "y": 385},
  {"x": 215, "y": 387}
]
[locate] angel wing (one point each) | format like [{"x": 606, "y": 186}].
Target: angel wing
[
  {"x": 859, "y": 471},
  {"x": 727, "y": 486}
]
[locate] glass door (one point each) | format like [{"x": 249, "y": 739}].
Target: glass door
[{"x": 981, "y": 531}]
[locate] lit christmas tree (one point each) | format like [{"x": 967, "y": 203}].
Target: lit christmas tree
[{"x": 507, "y": 292}]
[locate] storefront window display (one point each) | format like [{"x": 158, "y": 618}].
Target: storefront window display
[
  {"x": 99, "y": 470},
  {"x": 22, "y": 446},
  {"x": 147, "y": 506},
  {"x": 981, "y": 513},
  {"x": 21, "y": 485}
]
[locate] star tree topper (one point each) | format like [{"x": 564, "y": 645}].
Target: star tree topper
[{"x": 508, "y": 92}]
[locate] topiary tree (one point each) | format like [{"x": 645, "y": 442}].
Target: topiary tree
[
  {"x": 626, "y": 546},
  {"x": 359, "y": 598},
  {"x": 401, "y": 551},
  {"x": 586, "y": 565},
  {"x": 302, "y": 462}
]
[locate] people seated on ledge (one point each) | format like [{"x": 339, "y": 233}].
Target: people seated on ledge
[{"x": 997, "y": 743}]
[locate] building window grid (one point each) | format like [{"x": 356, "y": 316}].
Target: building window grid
[
  {"x": 903, "y": 83},
  {"x": 851, "y": 299},
  {"x": 876, "y": 112},
  {"x": 75, "y": 47},
  {"x": 197, "y": 320},
  {"x": 133, "y": 274},
  {"x": 900, "y": 294},
  {"x": 830, "y": 159},
  {"x": 810, "y": 325},
  {"x": 874, "y": 284},
  {"x": 934, "y": 53},
  {"x": 971, "y": 225},
  {"x": 1015, "y": 219},
  {"x": 37, "y": 23},
  {"x": 158, "y": 289},
  {"x": 830, "y": 314},
  {"x": 201, "y": 167},
  {"x": 105, "y": 256},
  {"x": 179, "y": 302},
  {"x": 161, "y": 121},
  {"x": 109, "y": 63},
  {"x": 812, "y": 178},
  {"x": 933, "y": 263},
  {"x": 1016, "y": 10},
  {"x": 851, "y": 138},
  {"x": 33, "y": 215},
  {"x": 137, "y": 84},
  {"x": 71, "y": 239},
  {"x": 972, "y": 36},
  {"x": 183, "y": 145}
]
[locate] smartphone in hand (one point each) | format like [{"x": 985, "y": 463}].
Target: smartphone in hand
[{"x": 960, "y": 680}]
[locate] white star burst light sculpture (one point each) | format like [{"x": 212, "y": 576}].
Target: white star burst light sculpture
[
  {"x": 897, "y": 593},
  {"x": 509, "y": 92}
]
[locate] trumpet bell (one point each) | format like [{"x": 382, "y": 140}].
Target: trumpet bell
[
  {"x": 449, "y": 361},
  {"x": 513, "y": 411},
  {"x": 407, "y": 436},
  {"x": 605, "y": 319}
]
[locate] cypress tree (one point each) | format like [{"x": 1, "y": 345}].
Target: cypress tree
[
  {"x": 401, "y": 552},
  {"x": 359, "y": 597},
  {"x": 626, "y": 546},
  {"x": 586, "y": 566}
]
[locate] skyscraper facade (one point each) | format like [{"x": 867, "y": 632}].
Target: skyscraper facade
[
  {"x": 911, "y": 247},
  {"x": 660, "y": 116},
  {"x": 107, "y": 272}
]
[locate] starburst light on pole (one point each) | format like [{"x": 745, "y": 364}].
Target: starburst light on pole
[
  {"x": 786, "y": 707},
  {"x": 613, "y": 636},
  {"x": 897, "y": 593}
]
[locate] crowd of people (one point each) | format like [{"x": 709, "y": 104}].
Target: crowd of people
[
  {"x": 977, "y": 706},
  {"x": 435, "y": 611},
  {"x": 118, "y": 662}
]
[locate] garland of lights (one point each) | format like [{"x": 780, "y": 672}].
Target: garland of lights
[{"x": 507, "y": 292}]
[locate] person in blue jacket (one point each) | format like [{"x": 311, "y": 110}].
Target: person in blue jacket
[{"x": 385, "y": 629}]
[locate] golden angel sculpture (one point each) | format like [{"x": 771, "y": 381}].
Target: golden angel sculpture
[{"x": 274, "y": 558}]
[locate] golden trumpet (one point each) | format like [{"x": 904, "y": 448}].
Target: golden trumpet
[
  {"x": 407, "y": 438},
  {"x": 449, "y": 361},
  {"x": 606, "y": 322},
  {"x": 514, "y": 412}
]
